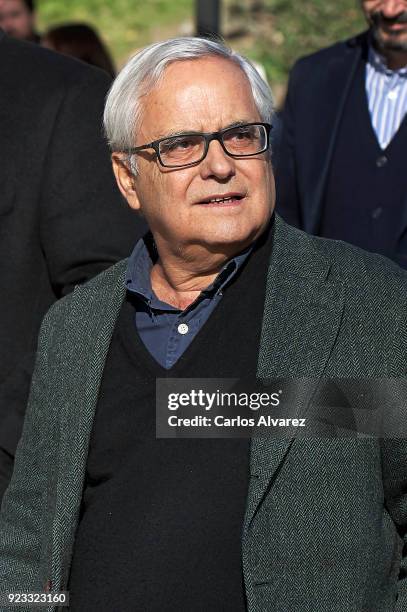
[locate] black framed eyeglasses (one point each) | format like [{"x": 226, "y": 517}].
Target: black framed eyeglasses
[{"x": 182, "y": 150}]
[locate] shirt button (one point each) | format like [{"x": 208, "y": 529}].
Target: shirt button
[
  {"x": 183, "y": 328},
  {"x": 392, "y": 95},
  {"x": 381, "y": 161},
  {"x": 377, "y": 212}
]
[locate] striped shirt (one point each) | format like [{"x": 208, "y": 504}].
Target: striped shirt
[{"x": 387, "y": 97}]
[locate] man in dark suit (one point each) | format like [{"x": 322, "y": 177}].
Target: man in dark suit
[
  {"x": 341, "y": 164},
  {"x": 220, "y": 288},
  {"x": 62, "y": 219}
]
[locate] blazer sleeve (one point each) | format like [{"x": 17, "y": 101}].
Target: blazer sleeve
[
  {"x": 13, "y": 401},
  {"x": 287, "y": 196},
  {"x": 23, "y": 532},
  {"x": 394, "y": 457},
  {"x": 85, "y": 224}
]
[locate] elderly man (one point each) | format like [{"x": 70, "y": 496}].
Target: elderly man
[
  {"x": 219, "y": 288},
  {"x": 341, "y": 163}
]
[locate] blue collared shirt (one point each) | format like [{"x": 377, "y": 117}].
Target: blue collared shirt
[
  {"x": 166, "y": 331},
  {"x": 387, "y": 97}
]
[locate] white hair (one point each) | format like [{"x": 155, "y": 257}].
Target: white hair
[{"x": 143, "y": 71}]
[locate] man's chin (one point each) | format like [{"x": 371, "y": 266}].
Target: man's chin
[
  {"x": 390, "y": 42},
  {"x": 230, "y": 240}
]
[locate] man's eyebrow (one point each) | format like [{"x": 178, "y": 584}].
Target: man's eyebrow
[
  {"x": 176, "y": 133},
  {"x": 237, "y": 124}
]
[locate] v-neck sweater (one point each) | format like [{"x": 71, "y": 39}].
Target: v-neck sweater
[{"x": 161, "y": 519}]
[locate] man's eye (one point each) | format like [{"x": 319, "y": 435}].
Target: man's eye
[
  {"x": 179, "y": 144},
  {"x": 241, "y": 134}
]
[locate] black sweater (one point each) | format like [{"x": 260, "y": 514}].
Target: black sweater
[{"x": 161, "y": 519}]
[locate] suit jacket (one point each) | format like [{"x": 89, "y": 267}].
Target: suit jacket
[
  {"x": 62, "y": 219},
  {"x": 318, "y": 89},
  {"x": 325, "y": 519}
]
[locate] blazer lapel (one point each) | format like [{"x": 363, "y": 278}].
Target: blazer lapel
[
  {"x": 302, "y": 315},
  {"x": 404, "y": 221},
  {"x": 89, "y": 329},
  {"x": 324, "y": 125},
  {"x": 403, "y": 225}
]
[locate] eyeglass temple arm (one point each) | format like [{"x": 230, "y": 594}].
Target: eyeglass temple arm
[{"x": 150, "y": 145}]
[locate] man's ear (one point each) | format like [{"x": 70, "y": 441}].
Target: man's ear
[{"x": 125, "y": 180}]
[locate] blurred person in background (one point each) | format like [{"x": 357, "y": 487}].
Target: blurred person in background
[
  {"x": 341, "y": 169},
  {"x": 81, "y": 41},
  {"x": 62, "y": 219},
  {"x": 17, "y": 18}
]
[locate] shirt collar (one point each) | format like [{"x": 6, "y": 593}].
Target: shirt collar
[
  {"x": 142, "y": 259},
  {"x": 378, "y": 63}
]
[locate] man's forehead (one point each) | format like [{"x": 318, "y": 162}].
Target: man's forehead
[
  {"x": 194, "y": 71},
  {"x": 194, "y": 80},
  {"x": 201, "y": 121}
]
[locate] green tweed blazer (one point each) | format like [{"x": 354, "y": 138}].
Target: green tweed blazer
[{"x": 325, "y": 518}]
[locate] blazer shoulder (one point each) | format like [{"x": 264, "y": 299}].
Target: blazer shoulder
[
  {"x": 21, "y": 60},
  {"x": 363, "y": 271},
  {"x": 87, "y": 300},
  {"x": 340, "y": 262},
  {"x": 323, "y": 57}
]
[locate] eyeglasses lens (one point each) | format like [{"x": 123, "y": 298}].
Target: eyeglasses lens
[
  {"x": 245, "y": 140},
  {"x": 182, "y": 150},
  {"x": 238, "y": 141}
]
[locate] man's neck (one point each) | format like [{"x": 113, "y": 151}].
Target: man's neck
[
  {"x": 178, "y": 278},
  {"x": 180, "y": 286}
]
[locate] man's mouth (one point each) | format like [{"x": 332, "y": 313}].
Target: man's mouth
[
  {"x": 399, "y": 23},
  {"x": 394, "y": 27},
  {"x": 225, "y": 200}
]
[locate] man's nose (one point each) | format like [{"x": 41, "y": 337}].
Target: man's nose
[
  {"x": 392, "y": 8},
  {"x": 217, "y": 162}
]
